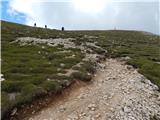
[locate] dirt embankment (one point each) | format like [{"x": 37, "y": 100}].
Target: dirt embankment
[{"x": 117, "y": 92}]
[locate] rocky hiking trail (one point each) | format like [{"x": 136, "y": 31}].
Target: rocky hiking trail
[{"x": 117, "y": 92}]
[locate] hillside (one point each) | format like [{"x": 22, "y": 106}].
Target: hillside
[
  {"x": 37, "y": 61},
  {"x": 117, "y": 92}
]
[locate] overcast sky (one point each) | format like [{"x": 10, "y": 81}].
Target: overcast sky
[{"x": 85, "y": 14}]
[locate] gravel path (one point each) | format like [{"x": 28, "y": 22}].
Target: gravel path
[{"x": 117, "y": 92}]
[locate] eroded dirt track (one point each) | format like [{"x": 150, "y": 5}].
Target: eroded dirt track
[{"x": 117, "y": 92}]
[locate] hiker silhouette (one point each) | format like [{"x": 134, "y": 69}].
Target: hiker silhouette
[{"x": 62, "y": 28}]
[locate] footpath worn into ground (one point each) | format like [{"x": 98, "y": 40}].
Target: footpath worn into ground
[{"x": 117, "y": 92}]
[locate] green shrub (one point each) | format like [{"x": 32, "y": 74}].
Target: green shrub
[
  {"x": 59, "y": 77},
  {"x": 18, "y": 70},
  {"x": 51, "y": 86},
  {"x": 81, "y": 76},
  {"x": 69, "y": 62},
  {"x": 53, "y": 56},
  {"x": 12, "y": 86},
  {"x": 38, "y": 80},
  {"x": 33, "y": 90},
  {"x": 29, "y": 92},
  {"x": 147, "y": 68},
  {"x": 89, "y": 66}
]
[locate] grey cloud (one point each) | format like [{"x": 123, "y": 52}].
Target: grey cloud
[{"x": 138, "y": 16}]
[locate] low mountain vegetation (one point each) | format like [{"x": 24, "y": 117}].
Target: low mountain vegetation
[{"x": 34, "y": 70}]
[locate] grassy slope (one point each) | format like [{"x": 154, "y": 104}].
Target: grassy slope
[
  {"x": 142, "y": 48},
  {"x": 26, "y": 71},
  {"x": 27, "y": 68}
]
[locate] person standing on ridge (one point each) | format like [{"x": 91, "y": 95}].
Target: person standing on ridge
[{"x": 62, "y": 28}]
